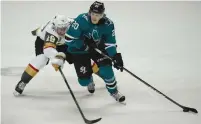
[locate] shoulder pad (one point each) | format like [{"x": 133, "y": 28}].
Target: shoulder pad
[
  {"x": 83, "y": 17},
  {"x": 82, "y": 20},
  {"x": 108, "y": 21}
]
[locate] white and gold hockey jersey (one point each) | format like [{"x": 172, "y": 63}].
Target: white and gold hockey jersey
[
  {"x": 51, "y": 38},
  {"x": 48, "y": 33}
]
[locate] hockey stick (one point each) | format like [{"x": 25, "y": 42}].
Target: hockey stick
[
  {"x": 185, "y": 109},
  {"x": 71, "y": 92}
]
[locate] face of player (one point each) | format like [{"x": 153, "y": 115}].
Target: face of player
[
  {"x": 95, "y": 17},
  {"x": 61, "y": 31}
]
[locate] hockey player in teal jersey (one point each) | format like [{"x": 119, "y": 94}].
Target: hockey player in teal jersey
[{"x": 94, "y": 30}]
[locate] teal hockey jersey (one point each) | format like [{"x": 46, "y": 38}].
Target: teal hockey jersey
[{"x": 82, "y": 27}]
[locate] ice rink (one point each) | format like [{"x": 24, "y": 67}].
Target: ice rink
[{"x": 159, "y": 41}]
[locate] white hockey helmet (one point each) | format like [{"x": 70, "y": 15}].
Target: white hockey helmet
[
  {"x": 61, "y": 24},
  {"x": 60, "y": 21}
]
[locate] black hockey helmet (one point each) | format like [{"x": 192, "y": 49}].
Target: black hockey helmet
[{"x": 97, "y": 7}]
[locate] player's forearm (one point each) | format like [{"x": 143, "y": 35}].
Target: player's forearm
[
  {"x": 111, "y": 48},
  {"x": 111, "y": 51}
]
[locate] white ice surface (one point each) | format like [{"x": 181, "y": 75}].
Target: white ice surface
[{"x": 160, "y": 42}]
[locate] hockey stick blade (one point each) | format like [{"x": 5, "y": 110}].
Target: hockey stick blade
[
  {"x": 187, "y": 109},
  {"x": 92, "y": 121}
]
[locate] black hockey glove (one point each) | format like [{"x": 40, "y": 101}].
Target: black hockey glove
[
  {"x": 118, "y": 62},
  {"x": 91, "y": 44}
]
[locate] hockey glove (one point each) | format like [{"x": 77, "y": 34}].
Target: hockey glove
[
  {"x": 90, "y": 44},
  {"x": 118, "y": 62},
  {"x": 58, "y": 61}
]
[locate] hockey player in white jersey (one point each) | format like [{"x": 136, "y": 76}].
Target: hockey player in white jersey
[{"x": 49, "y": 46}]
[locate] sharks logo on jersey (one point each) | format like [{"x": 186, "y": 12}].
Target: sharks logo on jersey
[{"x": 94, "y": 35}]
